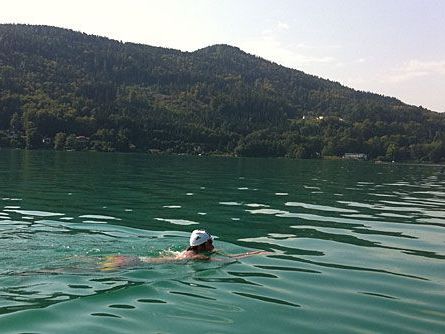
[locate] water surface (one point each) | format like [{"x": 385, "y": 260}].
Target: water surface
[{"x": 356, "y": 247}]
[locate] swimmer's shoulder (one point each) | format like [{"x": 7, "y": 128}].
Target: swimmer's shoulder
[{"x": 190, "y": 255}]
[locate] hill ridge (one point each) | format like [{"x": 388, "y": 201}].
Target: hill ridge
[{"x": 58, "y": 84}]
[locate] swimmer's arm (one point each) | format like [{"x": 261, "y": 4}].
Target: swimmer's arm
[
  {"x": 200, "y": 257},
  {"x": 247, "y": 254}
]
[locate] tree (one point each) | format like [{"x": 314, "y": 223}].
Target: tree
[
  {"x": 299, "y": 152},
  {"x": 438, "y": 151},
  {"x": 33, "y": 137},
  {"x": 16, "y": 123},
  {"x": 70, "y": 142},
  {"x": 391, "y": 152},
  {"x": 60, "y": 140}
]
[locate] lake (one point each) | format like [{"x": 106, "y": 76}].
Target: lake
[{"x": 355, "y": 247}]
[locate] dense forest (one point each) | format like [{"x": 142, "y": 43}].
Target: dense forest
[{"x": 66, "y": 90}]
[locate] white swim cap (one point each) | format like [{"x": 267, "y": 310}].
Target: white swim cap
[{"x": 198, "y": 237}]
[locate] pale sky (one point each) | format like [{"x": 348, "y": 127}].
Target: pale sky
[{"x": 390, "y": 47}]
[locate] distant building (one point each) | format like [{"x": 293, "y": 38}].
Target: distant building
[
  {"x": 355, "y": 156},
  {"x": 82, "y": 139}
]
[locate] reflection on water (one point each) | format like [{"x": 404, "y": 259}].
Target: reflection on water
[{"x": 355, "y": 247}]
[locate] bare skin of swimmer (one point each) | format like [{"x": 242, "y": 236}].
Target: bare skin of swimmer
[
  {"x": 198, "y": 253},
  {"x": 201, "y": 247}
]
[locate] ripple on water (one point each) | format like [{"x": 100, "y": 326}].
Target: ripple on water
[
  {"x": 151, "y": 301},
  {"x": 311, "y": 187},
  {"x": 177, "y": 221},
  {"x": 103, "y": 314},
  {"x": 99, "y": 217},
  {"x": 94, "y": 222},
  {"x": 281, "y": 235},
  {"x": 319, "y": 207},
  {"x": 35, "y": 213},
  {"x": 435, "y": 213},
  {"x": 256, "y": 205},
  {"x": 266, "y": 299},
  {"x": 382, "y": 207},
  {"x": 394, "y": 215},
  {"x": 267, "y": 212},
  {"x": 231, "y": 203},
  {"x": 122, "y": 306}
]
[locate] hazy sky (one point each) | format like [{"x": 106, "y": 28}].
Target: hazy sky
[{"x": 391, "y": 47}]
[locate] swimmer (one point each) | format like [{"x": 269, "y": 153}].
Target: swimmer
[{"x": 201, "y": 247}]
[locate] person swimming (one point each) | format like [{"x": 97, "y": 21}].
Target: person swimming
[
  {"x": 201, "y": 242},
  {"x": 200, "y": 248}
]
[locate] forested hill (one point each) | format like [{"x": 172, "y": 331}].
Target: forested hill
[{"x": 67, "y": 90}]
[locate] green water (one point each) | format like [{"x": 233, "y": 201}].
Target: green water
[{"x": 356, "y": 247}]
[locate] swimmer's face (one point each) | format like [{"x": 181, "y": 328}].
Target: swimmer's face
[{"x": 209, "y": 245}]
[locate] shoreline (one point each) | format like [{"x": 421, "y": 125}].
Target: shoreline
[{"x": 230, "y": 155}]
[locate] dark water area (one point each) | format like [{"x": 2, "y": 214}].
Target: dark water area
[{"x": 354, "y": 247}]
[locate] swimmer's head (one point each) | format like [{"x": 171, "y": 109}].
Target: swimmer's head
[{"x": 199, "y": 237}]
